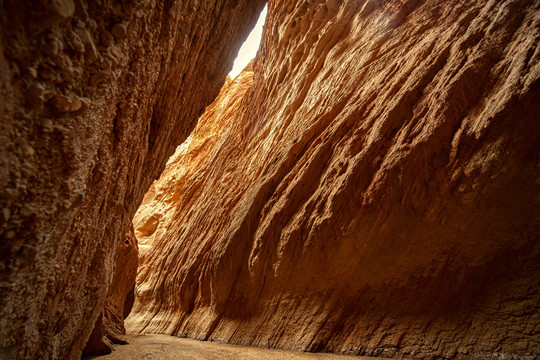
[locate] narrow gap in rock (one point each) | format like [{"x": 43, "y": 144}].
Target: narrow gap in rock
[
  {"x": 247, "y": 53},
  {"x": 150, "y": 222},
  {"x": 146, "y": 225},
  {"x": 250, "y": 46}
]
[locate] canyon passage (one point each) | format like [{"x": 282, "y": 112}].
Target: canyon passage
[{"x": 368, "y": 185}]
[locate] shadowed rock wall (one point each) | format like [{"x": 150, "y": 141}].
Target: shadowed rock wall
[
  {"x": 94, "y": 98},
  {"x": 376, "y": 191},
  {"x": 109, "y": 327}
]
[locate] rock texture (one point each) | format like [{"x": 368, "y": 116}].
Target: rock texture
[
  {"x": 94, "y": 98},
  {"x": 376, "y": 190},
  {"x": 159, "y": 205},
  {"x": 109, "y": 327}
]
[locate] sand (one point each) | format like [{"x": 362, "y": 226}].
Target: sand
[{"x": 164, "y": 347}]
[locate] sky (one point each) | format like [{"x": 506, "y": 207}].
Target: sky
[{"x": 250, "y": 46}]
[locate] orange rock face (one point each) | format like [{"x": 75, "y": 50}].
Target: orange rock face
[
  {"x": 89, "y": 99},
  {"x": 375, "y": 191},
  {"x": 159, "y": 205}
]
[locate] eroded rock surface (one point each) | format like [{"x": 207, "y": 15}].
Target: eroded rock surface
[
  {"x": 376, "y": 191},
  {"x": 94, "y": 98},
  {"x": 159, "y": 205},
  {"x": 109, "y": 328}
]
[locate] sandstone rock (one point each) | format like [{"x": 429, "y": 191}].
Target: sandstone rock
[
  {"x": 110, "y": 327},
  {"x": 70, "y": 209},
  {"x": 98, "y": 343},
  {"x": 99, "y": 77},
  {"x": 119, "y": 31},
  {"x": 65, "y": 103},
  {"x": 35, "y": 96},
  {"x": 90, "y": 52},
  {"x": 159, "y": 204},
  {"x": 328, "y": 216},
  {"x": 106, "y": 38}
]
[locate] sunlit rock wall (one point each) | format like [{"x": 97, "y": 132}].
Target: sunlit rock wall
[{"x": 375, "y": 192}]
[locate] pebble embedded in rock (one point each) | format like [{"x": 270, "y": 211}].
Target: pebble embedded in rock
[
  {"x": 31, "y": 72},
  {"x": 35, "y": 96},
  {"x": 45, "y": 73},
  {"x": 65, "y": 103},
  {"x": 119, "y": 31},
  {"x": 63, "y": 62},
  {"x": 90, "y": 52},
  {"x": 61, "y": 103},
  {"x": 99, "y": 78},
  {"x": 85, "y": 102},
  {"x": 28, "y": 151},
  {"x": 63, "y": 8},
  {"x": 55, "y": 11},
  {"x": 47, "y": 124},
  {"x": 81, "y": 10},
  {"x": 51, "y": 47},
  {"x": 112, "y": 59},
  {"x": 77, "y": 43},
  {"x": 106, "y": 38},
  {"x": 76, "y": 103},
  {"x": 6, "y": 212}
]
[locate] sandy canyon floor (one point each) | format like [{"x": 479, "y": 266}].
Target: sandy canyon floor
[{"x": 164, "y": 347}]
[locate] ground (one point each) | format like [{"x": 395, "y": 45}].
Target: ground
[{"x": 164, "y": 347}]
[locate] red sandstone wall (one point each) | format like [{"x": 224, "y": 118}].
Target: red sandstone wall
[{"x": 375, "y": 192}]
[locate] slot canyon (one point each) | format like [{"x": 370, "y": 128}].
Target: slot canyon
[{"x": 369, "y": 185}]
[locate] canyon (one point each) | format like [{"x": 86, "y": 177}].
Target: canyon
[{"x": 368, "y": 185}]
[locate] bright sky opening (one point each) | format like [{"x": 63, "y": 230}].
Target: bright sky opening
[{"x": 249, "y": 48}]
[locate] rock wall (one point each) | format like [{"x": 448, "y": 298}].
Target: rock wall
[
  {"x": 94, "y": 98},
  {"x": 376, "y": 190},
  {"x": 159, "y": 205},
  {"x": 109, "y": 327}
]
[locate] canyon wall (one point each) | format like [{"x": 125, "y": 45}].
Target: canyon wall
[
  {"x": 375, "y": 191},
  {"x": 94, "y": 98}
]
